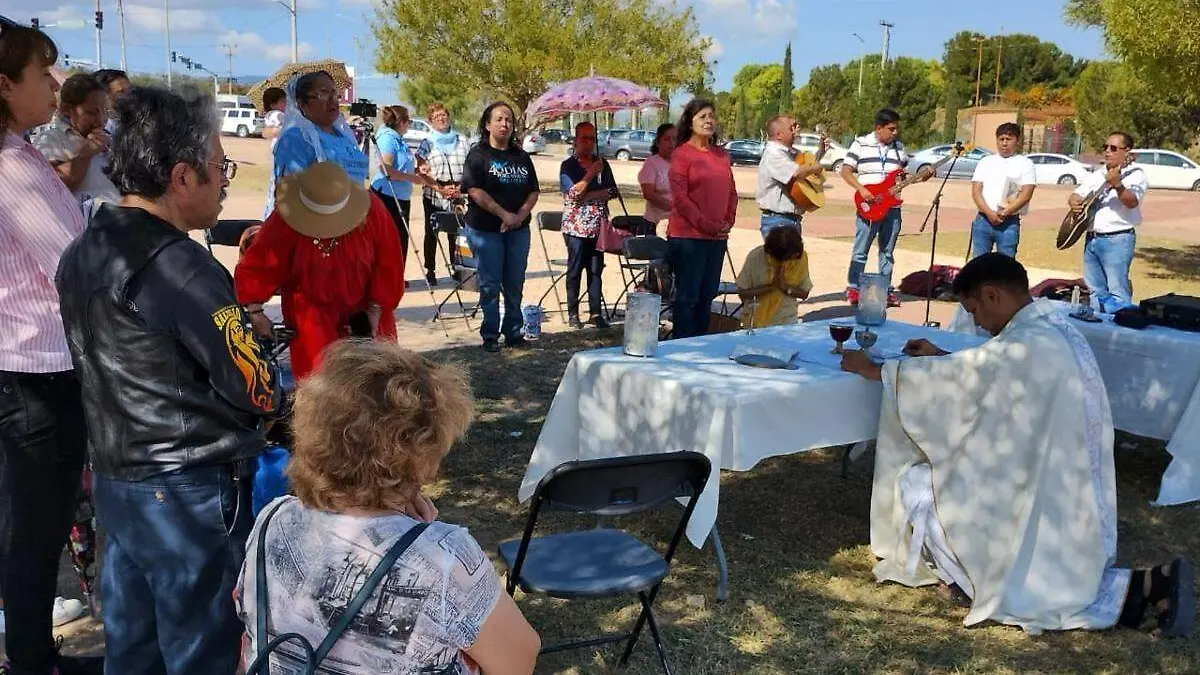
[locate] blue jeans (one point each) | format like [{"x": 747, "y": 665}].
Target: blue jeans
[
  {"x": 1004, "y": 236},
  {"x": 697, "y": 267},
  {"x": 501, "y": 257},
  {"x": 172, "y": 555},
  {"x": 1106, "y": 262},
  {"x": 887, "y": 229},
  {"x": 771, "y": 221}
]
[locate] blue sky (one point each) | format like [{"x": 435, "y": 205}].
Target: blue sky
[{"x": 745, "y": 31}]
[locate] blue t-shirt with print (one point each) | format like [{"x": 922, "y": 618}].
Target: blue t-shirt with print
[{"x": 389, "y": 142}]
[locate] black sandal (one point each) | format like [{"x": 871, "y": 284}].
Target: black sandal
[{"x": 1179, "y": 616}]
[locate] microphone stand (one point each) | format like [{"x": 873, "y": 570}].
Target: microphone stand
[{"x": 934, "y": 210}]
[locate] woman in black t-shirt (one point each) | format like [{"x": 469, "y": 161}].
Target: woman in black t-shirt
[{"x": 502, "y": 185}]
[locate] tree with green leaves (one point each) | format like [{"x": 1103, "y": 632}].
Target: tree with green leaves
[
  {"x": 1160, "y": 39},
  {"x": 1110, "y": 96},
  {"x": 515, "y": 49},
  {"x": 464, "y": 106},
  {"x": 1024, "y": 61},
  {"x": 786, "y": 83}
]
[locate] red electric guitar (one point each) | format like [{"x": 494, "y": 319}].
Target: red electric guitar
[{"x": 886, "y": 195}]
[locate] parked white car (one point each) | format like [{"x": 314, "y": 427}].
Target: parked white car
[
  {"x": 534, "y": 143},
  {"x": 833, "y": 156},
  {"x": 242, "y": 121},
  {"x": 1052, "y": 168},
  {"x": 1168, "y": 169},
  {"x": 418, "y": 130}
]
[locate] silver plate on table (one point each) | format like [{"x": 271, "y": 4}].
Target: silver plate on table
[{"x": 762, "y": 361}]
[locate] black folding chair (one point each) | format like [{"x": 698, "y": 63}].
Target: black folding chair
[
  {"x": 463, "y": 268},
  {"x": 551, "y": 221},
  {"x": 604, "y": 562},
  {"x": 634, "y": 261},
  {"x": 729, "y": 288}
]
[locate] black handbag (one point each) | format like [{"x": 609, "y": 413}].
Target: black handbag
[{"x": 314, "y": 657}]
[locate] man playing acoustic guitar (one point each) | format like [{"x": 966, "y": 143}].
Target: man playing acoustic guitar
[
  {"x": 869, "y": 161},
  {"x": 1108, "y": 252},
  {"x": 777, "y": 170}
]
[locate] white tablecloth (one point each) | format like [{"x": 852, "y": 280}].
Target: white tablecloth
[
  {"x": 691, "y": 396},
  {"x": 1153, "y": 382}
]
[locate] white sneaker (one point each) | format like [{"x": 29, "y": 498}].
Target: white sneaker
[{"x": 67, "y": 610}]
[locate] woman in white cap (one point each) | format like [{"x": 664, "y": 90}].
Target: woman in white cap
[{"x": 331, "y": 250}]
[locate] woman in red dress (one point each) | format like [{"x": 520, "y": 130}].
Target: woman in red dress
[{"x": 331, "y": 251}]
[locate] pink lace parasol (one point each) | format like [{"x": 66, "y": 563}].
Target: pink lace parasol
[{"x": 591, "y": 94}]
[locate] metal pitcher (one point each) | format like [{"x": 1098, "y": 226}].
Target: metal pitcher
[{"x": 872, "y": 300}]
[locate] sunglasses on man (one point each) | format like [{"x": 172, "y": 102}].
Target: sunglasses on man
[{"x": 1113, "y": 148}]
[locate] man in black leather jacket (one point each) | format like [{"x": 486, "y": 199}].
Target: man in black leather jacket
[{"x": 175, "y": 390}]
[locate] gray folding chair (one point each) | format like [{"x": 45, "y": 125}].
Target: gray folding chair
[{"x": 605, "y": 562}]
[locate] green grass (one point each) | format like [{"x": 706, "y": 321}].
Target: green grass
[
  {"x": 1159, "y": 266},
  {"x": 802, "y": 598}
]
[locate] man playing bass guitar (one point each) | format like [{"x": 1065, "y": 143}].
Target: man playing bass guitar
[
  {"x": 1112, "y": 236},
  {"x": 869, "y": 161}
]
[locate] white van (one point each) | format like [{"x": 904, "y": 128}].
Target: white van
[
  {"x": 234, "y": 101},
  {"x": 242, "y": 122}
]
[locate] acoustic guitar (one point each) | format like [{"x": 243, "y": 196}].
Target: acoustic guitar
[
  {"x": 885, "y": 196},
  {"x": 1079, "y": 221},
  {"x": 808, "y": 193}
]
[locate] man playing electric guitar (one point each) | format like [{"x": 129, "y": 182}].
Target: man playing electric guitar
[
  {"x": 1112, "y": 236},
  {"x": 869, "y": 161}
]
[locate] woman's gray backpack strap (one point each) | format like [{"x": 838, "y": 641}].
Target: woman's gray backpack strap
[{"x": 314, "y": 657}]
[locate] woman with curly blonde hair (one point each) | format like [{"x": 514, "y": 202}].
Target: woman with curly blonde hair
[{"x": 372, "y": 425}]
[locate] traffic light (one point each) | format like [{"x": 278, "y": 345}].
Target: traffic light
[
  {"x": 99, "y": 20},
  {"x": 174, "y": 57},
  {"x": 199, "y": 67},
  {"x": 34, "y": 23}
]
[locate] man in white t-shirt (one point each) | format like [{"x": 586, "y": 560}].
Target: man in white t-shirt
[
  {"x": 1112, "y": 237},
  {"x": 1002, "y": 186},
  {"x": 777, "y": 170}
]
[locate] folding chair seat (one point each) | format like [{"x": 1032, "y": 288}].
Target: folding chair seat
[
  {"x": 634, "y": 259},
  {"x": 729, "y": 288},
  {"x": 462, "y": 271},
  {"x": 605, "y": 562}
]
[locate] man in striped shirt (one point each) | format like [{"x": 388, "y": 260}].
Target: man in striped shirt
[{"x": 868, "y": 162}]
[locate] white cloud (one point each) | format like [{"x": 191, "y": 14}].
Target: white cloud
[
  {"x": 150, "y": 19},
  {"x": 252, "y": 44},
  {"x": 715, "y": 50},
  {"x": 762, "y": 17}
]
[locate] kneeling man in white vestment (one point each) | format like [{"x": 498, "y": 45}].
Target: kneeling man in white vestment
[{"x": 994, "y": 472}]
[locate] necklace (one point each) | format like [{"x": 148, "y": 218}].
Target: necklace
[{"x": 325, "y": 246}]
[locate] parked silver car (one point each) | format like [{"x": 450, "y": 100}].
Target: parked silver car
[
  {"x": 626, "y": 144},
  {"x": 534, "y": 143},
  {"x": 963, "y": 167}
]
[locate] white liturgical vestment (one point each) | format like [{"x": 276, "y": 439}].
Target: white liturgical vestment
[{"x": 1013, "y": 442}]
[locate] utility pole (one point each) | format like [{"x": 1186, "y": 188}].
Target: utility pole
[
  {"x": 167, "y": 30},
  {"x": 999, "y": 56},
  {"x": 887, "y": 38},
  {"x": 229, "y": 50},
  {"x": 979, "y": 69},
  {"x": 862, "y": 60},
  {"x": 99, "y": 27},
  {"x": 121, "y": 21}
]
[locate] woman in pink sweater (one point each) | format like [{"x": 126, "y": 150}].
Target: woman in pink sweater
[{"x": 703, "y": 208}]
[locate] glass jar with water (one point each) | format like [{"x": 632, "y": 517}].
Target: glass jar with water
[{"x": 872, "y": 300}]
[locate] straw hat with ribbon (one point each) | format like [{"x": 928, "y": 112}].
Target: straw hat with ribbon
[{"x": 322, "y": 202}]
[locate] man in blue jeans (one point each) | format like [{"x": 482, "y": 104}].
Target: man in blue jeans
[
  {"x": 1001, "y": 187},
  {"x": 869, "y": 161},
  {"x": 1108, "y": 251},
  {"x": 174, "y": 390}
]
